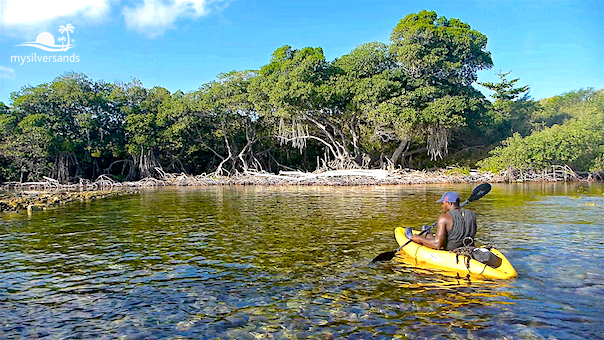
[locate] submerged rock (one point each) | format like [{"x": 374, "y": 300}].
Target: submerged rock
[{"x": 32, "y": 201}]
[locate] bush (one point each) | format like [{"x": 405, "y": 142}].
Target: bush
[{"x": 578, "y": 143}]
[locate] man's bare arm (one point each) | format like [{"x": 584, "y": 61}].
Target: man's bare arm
[{"x": 438, "y": 240}]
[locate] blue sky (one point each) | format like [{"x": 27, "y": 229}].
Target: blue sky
[{"x": 552, "y": 46}]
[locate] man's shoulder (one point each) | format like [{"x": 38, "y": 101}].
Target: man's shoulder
[{"x": 445, "y": 217}]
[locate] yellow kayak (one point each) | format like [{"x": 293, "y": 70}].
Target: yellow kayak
[{"x": 449, "y": 261}]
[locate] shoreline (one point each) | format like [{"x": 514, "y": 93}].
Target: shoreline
[
  {"x": 331, "y": 177},
  {"x": 48, "y": 194}
]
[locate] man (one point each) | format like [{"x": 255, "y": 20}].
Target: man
[{"x": 456, "y": 227}]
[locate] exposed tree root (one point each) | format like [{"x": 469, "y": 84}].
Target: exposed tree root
[
  {"x": 319, "y": 177},
  {"x": 358, "y": 177}
]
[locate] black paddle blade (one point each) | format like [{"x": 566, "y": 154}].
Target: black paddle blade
[
  {"x": 480, "y": 191},
  {"x": 387, "y": 256}
]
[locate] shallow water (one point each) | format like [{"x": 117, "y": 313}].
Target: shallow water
[{"x": 293, "y": 263}]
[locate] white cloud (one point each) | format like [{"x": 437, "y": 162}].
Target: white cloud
[
  {"x": 7, "y": 72},
  {"x": 153, "y": 17},
  {"x": 149, "y": 17},
  {"x": 33, "y": 13}
]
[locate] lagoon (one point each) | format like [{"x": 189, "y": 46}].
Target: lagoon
[{"x": 292, "y": 262}]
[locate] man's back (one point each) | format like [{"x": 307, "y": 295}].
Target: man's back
[{"x": 463, "y": 227}]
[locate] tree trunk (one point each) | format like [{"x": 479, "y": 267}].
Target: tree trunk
[
  {"x": 147, "y": 162},
  {"x": 404, "y": 146}
]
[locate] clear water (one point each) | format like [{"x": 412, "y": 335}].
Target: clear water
[{"x": 293, "y": 263}]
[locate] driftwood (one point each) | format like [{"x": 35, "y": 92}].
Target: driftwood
[
  {"x": 103, "y": 182},
  {"x": 354, "y": 177},
  {"x": 557, "y": 173},
  {"x": 319, "y": 177}
]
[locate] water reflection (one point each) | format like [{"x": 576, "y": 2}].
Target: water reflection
[{"x": 292, "y": 262}]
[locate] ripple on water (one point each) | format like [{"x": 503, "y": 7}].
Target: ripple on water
[{"x": 255, "y": 262}]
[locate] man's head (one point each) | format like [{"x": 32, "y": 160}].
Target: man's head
[{"x": 449, "y": 199}]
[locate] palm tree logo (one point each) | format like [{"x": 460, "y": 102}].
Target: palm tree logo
[
  {"x": 45, "y": 41},
  {"x": 66, "y": 29}
]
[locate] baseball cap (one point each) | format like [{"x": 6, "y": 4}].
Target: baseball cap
[{"x": 449, "y": 196}]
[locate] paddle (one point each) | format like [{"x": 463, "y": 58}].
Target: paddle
[{"x": 477, "y": 194}]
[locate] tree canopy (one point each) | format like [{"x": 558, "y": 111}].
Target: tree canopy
[
  {"x": 577, "y": 142},
  {"x": 407, "y": 103}
]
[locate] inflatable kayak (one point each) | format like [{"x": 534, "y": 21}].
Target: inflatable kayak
[{"x": 449, "y": 261}]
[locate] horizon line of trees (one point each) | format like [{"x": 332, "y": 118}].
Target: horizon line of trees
[{"x": 410, "y": 103}]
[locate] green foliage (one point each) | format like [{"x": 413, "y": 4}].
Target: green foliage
[
  {"x": 291, "y": 80},
  {"x": 441, "y": 58},
  {"x": 505, "y": 90},
  {"x": 365, "y": 61},
  {"x": 579, "y": 142},
  {"x": 25, "y": 145},
  {"x": 512, "y": 111},
  {"x": 403, "y": 103},
  {"x": 433, "y": 48},
  {"x": 559, "y": 109},
  {"x": 81, "y": 120},
  {"x": 4, "y": 109},
  {"x": 458, "y": 170}
]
